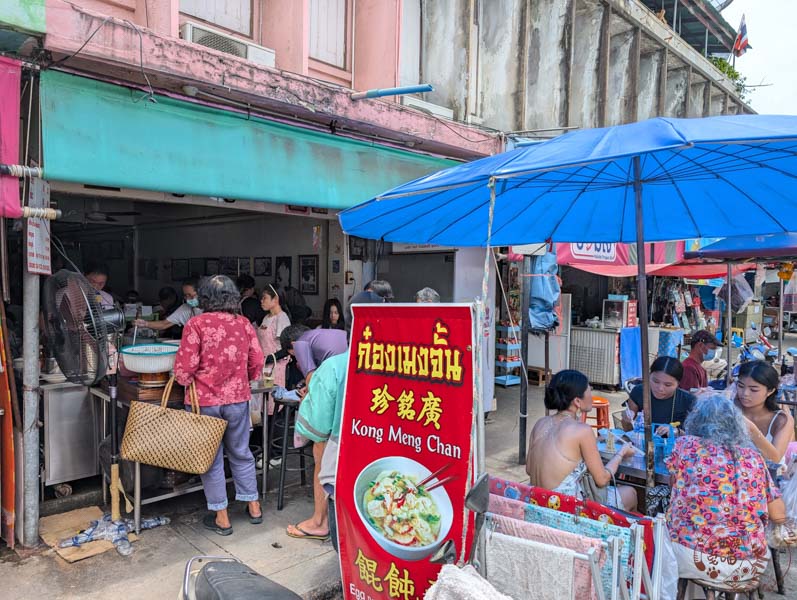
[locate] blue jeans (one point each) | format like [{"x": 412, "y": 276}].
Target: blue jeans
[{"x": 242, "y": 464}]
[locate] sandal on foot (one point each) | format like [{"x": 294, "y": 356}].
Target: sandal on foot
[
  {"x": 307, "y": 536},
  {"x": 254, "y": 520},
  {"x": 210, "y": 523}
]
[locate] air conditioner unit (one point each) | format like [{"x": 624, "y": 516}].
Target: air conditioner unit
[
  {"x": 428, "y": 107},
  {"x": 223, "y": 42}
]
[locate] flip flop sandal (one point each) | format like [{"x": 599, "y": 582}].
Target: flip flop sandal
[
  {"x": 307, "y": 536},
  {"x": 210, "y": 523},
  {"x": 254, "y": 520}
]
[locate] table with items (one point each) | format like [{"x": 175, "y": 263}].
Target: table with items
[{"x": 129, "y": 390}]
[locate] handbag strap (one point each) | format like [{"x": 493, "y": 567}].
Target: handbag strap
[
  {"x": 167, "y": 391},
  {"x": 192, "y": 395}
]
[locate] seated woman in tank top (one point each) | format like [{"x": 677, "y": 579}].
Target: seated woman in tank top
[
  {"x": 770, "y": 428},
  {"x": 562, "y": 448}
]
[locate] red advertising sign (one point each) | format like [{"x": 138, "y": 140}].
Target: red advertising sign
[{"x": 405, "y": 445}]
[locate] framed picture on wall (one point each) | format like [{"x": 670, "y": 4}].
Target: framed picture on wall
[
  {"x": 308, "y": 274},
  {"x": 263, "y": 266},
  {"x": 228, "y": 265},
  {"x": 196, "y": 267},
  {"x": 211, "y": 266},
  {"x": 244, "y": 265},
  {"x": 282, "y": 271},
  {"x": 356, "y": 248},
  {"x": 180, "y": 269}
]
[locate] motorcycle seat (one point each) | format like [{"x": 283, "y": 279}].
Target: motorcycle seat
[{"x": 236, "y": 581}]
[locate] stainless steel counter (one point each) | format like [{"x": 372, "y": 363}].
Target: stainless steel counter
[{"x": 70, "y": 433}]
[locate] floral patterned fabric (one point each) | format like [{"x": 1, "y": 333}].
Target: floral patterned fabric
[
  {"x": 719, "y": 501},
  {"x": 219, "y": 352},
  {"x": 570, "y": 504}
]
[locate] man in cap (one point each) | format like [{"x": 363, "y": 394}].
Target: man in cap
[{"x": 704, "y": 347}]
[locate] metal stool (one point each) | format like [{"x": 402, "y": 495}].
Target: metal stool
[
  {"x": 601, "y": 407},
  {"x": 286, "y": 447},
  {"x": 715, "y": 594}
]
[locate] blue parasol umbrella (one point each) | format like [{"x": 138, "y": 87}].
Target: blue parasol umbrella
[{"x": 657, "y": 180}]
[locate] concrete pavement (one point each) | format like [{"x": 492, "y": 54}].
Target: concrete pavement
[{"x": 310, "y": 568}]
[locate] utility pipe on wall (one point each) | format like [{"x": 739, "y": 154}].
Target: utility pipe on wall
[{"x": 397, "y": 91}]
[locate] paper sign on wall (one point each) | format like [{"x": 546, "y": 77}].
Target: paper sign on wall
[{"x": 38, "y": 231}]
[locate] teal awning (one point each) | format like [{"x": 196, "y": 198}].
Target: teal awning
[{"x": 102, "y": 134}]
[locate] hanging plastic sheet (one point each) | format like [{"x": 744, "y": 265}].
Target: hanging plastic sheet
[{"x": 544, "y": 292}]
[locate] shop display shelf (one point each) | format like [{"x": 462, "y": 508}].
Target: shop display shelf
[
  {"x": 507, "y": 346},
  {"x": 508, "y": 365},
  {"x": 507, "y": 380},
  {"x": 507, "y": 329}
]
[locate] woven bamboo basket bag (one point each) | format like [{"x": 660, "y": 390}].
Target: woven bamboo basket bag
[{"x": 172, "y": 438}]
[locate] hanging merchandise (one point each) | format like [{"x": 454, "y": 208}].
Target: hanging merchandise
[
  {"x": 688, "y": 299},
  {"x": 544, "y": 292},
  {"x": 786, "y": 271},
  {"x": 741, "y": 293},
  {"x": 316, "y": 237}
]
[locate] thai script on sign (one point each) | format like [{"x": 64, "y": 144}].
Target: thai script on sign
[
  {"x": 594, "y": 251},
  {"x": 437, "y": 361}
]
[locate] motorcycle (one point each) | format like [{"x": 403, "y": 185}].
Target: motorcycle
[{"x": 224, "y": 577}]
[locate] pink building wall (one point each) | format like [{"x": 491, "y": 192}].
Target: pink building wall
[{"x": 172, "y": 63}]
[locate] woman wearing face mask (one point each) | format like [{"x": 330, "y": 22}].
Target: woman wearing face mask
[
  {"x": 770, "y": 428},
  {"x": 562, "y": 448},
  {"x": 189, "y": 308},
  {"x": 668, "y": 403},
  {"x": 704, "y": 347}
]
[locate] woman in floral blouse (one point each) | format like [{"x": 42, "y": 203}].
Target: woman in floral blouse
[
  {"x": 722, "y": 499},
  {"x": 221, "y": 355}
]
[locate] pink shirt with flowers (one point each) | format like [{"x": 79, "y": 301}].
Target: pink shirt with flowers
[
  {"x": 219, "y": 352},
  {"x": 719, "y": 501}
]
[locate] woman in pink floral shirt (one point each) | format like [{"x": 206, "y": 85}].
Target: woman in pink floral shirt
[
  {"x": 722, "y": 499},
  {"x": 221, "y": 355}
]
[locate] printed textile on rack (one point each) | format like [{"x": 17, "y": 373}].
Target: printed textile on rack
[
  {"x": 588, "y": 527},
  {"x": 582, "y": 581},
  {"x": 516, "y": 567},
  {"x": 569, "y": 504}
]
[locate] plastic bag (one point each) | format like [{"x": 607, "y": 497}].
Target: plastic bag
[
  {"x": 741, "y": 293},
  {"x": 669, "y": 569},
  {"x": 789, "y": 494}
]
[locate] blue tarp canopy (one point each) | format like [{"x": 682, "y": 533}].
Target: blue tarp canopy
[
  {"x": 749, "y": 247},
  {"x": 711, "y": 177}
]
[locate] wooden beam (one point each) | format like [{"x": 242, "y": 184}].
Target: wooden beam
[
  {"x": 633, "y": 88},
  {"x": 569, "y": 38},
  {"x": 688, "y": 98},
  {"x": 603, "y": 66},
  {"x": 662, "y": 99}
]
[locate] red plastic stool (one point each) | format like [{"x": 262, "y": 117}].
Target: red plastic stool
[{"x": 600, "y": 406}]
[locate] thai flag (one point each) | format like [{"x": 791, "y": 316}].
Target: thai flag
[{"x": 741, "y": 45}]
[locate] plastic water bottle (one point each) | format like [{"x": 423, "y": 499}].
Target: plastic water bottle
[{"x": 639, "y": 430}]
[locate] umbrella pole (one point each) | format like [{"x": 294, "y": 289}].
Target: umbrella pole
[
  {"x": 781, "y": 352},
  {"x": 729, "y": 317},
  {"x": 642, "y": 318}
]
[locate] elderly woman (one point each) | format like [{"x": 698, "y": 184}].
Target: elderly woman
[
  {"x": 722, "y": 498},
  {"x": 427, "y": 296},
  {"x": 562, "y": 449},
  {"x": 220, "y": 354}
]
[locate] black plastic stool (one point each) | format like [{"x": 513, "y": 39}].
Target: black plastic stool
[{"x": 286, "y": 447}]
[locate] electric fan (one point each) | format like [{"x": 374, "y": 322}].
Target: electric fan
[{"x": 79, "y": 331}]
